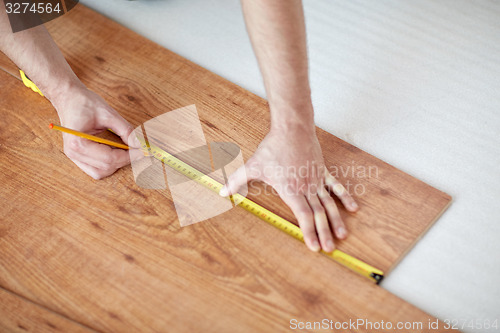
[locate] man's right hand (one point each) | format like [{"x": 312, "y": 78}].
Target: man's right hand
[{"x": 83, "y": 110}]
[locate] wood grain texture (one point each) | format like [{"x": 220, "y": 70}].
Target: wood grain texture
[
  {"x": 18, "y": 314},
  {"x": 8, "y": 66},
  {"x": 112, "y": 256}
]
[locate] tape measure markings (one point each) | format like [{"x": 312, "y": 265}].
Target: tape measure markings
[{"x": 259, "y": 211}]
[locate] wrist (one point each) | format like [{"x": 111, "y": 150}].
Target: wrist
[
  {"x": 290, "y": 128},
  {"x": 63, "y": 89},
  {"x": 65, "y": 92},
  {"x": 292, "y": 120}
]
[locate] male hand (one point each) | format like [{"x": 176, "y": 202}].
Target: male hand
[
  {"x": 291, "y": 161},
  {"x": 83, "y": 110}
]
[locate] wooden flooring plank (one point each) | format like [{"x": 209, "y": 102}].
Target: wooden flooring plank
[
  {"x": 18, "y": 314},
  {"x": 143, "y": 80},
  {"x": 8, "y": 66},
  {"x": 113, "y": 256}
]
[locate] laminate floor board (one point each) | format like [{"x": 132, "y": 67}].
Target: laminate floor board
[
  {"x": 143, "y": 80},
  {"x": 21, "y": 315}
]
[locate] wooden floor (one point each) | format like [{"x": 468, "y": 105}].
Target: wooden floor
[{"x": 109, "y": 256}]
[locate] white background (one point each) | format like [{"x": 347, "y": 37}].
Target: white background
[{"x": 415, "y": 83}]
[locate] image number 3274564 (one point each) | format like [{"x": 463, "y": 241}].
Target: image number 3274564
[{"x": 26, "y": 14}]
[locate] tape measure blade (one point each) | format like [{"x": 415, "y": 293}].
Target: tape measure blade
[{"x": 264, "y": 214}]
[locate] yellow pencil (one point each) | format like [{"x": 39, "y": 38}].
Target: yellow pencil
[{"x": 88, "y": 136}]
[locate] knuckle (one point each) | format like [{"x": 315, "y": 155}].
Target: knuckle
[
  {"x": 339, "y": 190},
  {"x": 319, "y": 210},
  {"x": 314, "y": 186},
  {"x": 324, "y": 231},
  {"x": 347, "y": 197},
  {"x": 301, "y": 183},
  {"x": 331, "y": 207},
  {"x": 100, "y": 174},
  {"x": 310, "y": 235},
  {"x": 332, "y": 211},
  {"x": 324, "y": 195},
  {"x": 305, "y": 215},
  {"x": 309, "y": 232},
  {"x": 106, "y": 115},
  {"x": 94, "y": 175},
  {"x": 109, "y": 169},
  {"x": 337, "y": 221},
  {"x": 69, "y": 153},
  {"x": 329, "y": 204},
  {"x": 74, "y": 145},
  {"x": 300, "y": 189},
  {"x": 108, "y": 160}
]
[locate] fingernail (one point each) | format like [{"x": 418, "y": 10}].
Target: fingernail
[
  {"x": 329, "y": 245},
  {"x": 314, "y": 246},
  {"x": 354, "y": 205},
  {"x": 341, "y": 232},
  {"x": 223, "y": 192},
  {"x": 338, "y": 189},
  {"x": 329, "y": 181}
]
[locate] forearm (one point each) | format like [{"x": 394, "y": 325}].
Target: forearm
[
  {"x": 277, "y": 32},
  {"x": 35, "y": 52}
]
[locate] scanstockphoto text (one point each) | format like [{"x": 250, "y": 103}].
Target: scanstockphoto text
[{"x": 480, "y": 325}]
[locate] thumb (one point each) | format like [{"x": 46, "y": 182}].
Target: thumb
[
  {"x": 123, "y": 129},
  {"x": 235, "y": 181}
]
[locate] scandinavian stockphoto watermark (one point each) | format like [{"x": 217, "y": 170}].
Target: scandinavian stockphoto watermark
[
  {"x": 26, "y": 14},
  {"x": 353, "y": 175},
  {"x": 180, "y": 133}
]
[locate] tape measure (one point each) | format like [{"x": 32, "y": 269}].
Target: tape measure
[
  {"x": 264, "y": 214},
  {"x": 27, "y": 82}
]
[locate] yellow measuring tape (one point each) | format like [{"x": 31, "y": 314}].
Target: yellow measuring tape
[
  {"x": 27, "y": 82},
  {"x": 266, "y": 215},
  {"x": 275, "y": 220}
]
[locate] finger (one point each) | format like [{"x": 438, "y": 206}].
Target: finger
[
  {"x": 235, "y": 181},
  {"x": 333, "y": 214},
  {"x": 93, "y": 172},
  {"x": 336, "y": 187},
  {"x": 322, "y": 225},
  {"x": 95, "y": 154},
  {"x": 304, "y": 214},
  {"x": 120, "y": 127}
]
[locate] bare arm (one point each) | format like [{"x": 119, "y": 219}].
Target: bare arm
[
  {"x": 277, "y": 32},
  {"x": 278, "y": 35},
  {"x": 35, "y": 52}
]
